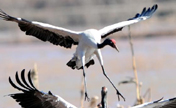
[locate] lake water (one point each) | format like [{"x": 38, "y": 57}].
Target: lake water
[{"x": 155, "y": 59}]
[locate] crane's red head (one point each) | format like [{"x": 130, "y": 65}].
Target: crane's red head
[{"x": 112, "y": 43}]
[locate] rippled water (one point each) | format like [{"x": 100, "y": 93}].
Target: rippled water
[{"x": 155, "y": 58}]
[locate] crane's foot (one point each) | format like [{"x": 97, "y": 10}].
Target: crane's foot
[
  {"x": 120, "y": 95},
  {"x": 86, "y": 97}
]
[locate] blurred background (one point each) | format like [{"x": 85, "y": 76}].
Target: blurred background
[{"x": 154, "y": 45}]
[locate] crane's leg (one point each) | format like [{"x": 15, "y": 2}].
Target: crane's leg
[
  {"x": 85, "y": 83},
  {"x": 118, "y": 93}
]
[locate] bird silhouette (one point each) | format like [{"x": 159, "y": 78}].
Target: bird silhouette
[{"x": 30, "y": 97}]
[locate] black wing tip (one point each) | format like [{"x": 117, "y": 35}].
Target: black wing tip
[
  {"x": 30, "y": 80},
  {"x": 23, "y": 70},
  {"x": 156, "y": 6},
  {"x": 6, "y": 17},
  {"x": 26, "y": 99},
  {"x": 158, "y": 100},
  {"x": 24, "y": 86},
  {"x": 3, "y": 15},
  {"x": 10, "y": 81},
  {"x": 2, "y": 12},
  {"x": 172, "y": 99},
  {"x": 15, "y": 86},
  {"x": 146, "y": 12},
  {"x": 50, "y": 93}
]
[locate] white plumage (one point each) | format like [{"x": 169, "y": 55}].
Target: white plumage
[{"x": 88, "y": 41}]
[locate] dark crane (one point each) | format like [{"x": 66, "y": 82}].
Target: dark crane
[{"x": 30, "y": 97}]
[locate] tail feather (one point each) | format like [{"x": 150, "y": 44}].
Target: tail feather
[
  {"x": 91, "y": 62},
  {"x": 72, "y": 64}
]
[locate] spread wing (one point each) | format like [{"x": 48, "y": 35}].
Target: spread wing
[
  {"x": 168, "y": 103},
  {"x": 45, "y": 32},
  {"x": 33, "y": 98},
  {"x": 145, "y": 14}
]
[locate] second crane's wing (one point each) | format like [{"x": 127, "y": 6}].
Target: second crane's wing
[{"x": 33, "y": 98}]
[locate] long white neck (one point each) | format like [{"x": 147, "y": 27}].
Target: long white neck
[{"x": 99, "y": 56}]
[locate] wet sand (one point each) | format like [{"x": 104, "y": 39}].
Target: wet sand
[{"x": 155, "y": 58}]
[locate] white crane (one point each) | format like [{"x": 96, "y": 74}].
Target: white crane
[
  {"x": 88, "y": 41},
  {"x": 30, "y": 97}
]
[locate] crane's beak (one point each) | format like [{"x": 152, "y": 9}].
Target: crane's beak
[{"x": 116, "y": 47}]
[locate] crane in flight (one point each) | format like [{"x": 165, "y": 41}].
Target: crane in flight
[
  {"x": 88, "y": 41},
  {"x": 31, "y": 97}
]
